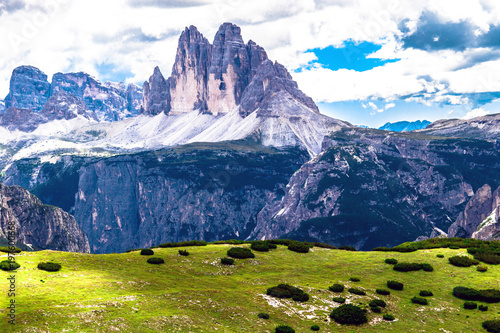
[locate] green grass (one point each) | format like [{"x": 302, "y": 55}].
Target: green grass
[{"x": 122, "y": 293}]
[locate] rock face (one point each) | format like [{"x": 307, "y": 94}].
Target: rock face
[
  {"x": 20, "y": 119},
  {"x": 29, "y": 89},
  {"x": 486, "y": 127},
  {"x": 405, "y": 126},
  {"x": 62, "y": 105},
  {"x": 371, "y": 189},
  {"x": 480, "y": 217},
  {"x": 42, "y": 226},
  {"x": 108, "y": 101},
  {"x": 219, "y": 77}
]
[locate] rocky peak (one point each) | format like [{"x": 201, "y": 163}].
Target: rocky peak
[
  {"x": 29, "y": 89},
  {"x": 45, "y": 227},
  {"x": 482, "y": 205},
  {"x": 156, "y": 97},
  {"x": 62, "y": 105}
]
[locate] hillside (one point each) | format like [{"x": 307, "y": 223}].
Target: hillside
[{"x": 121, "y": 292}]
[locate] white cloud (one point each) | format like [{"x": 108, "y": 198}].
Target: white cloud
[
  {"x": 389, "y": 106},
  {"x": 475, "y": 113}
]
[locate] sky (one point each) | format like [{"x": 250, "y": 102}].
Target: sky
[{"x": 365, "y": 61}]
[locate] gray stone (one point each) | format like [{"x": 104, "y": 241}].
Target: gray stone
[{"x": 29, "y": 89}]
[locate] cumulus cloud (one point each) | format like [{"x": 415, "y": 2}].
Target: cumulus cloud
[{"x": 475, "y": 113}]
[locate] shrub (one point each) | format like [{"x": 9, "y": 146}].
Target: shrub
[
  {"x": 375, "y": 309},
  {"x": 391, "y": 261},
  {"x": 147, "y": 252},
  {"x": 240, "y": 253},
  {"x": 287, "y": 291},
  {"x": 470, "y": 294},
  {"x": 155, "y": 261},
  {"x": 482, "y": 269},
  {"x": 472, "y": 250},
  {"x": 298, "y": 247},
  {"x": 384, "y": 292},
  {"x": 49, "y": 266},
  {"x": 183, "y": 253},
  {"x": 483, "y": 307},
  {"x": 336, "y": 288},
  {"x": 227, "y": 261},
  {"x": 462, "y": 261},
  {"x": 489, "y": 258},
  {"x": 347, "y": 248},
  {"x": 454, "y": 247},
  {"x": 284, "y": 329},
  {"x": 388, "y": 317},
  {"x": 340, "y": 300},
  {"x": 492, "y": 326},
  {"x": 440, "y": 256},
  {"x": 263, "y": 315},
  {"x": 7, "y": 265},
  {"x": 349, "y": 314},
  {"x": 354, "y": 279},
  {"x": 10, "y": 249},
  {"x": 468, "y": 305},
  {"x": 395, "y": 285},
  {"x": 426, "y": 293},
  {"x": 314, "y": 328},
  {"x": 356, "y": 291},
  {"x": 183, "y": 244},
  {"x": 272, "y": 246},
  {"x": 419, "y": 300},
  {"x": 377, "y": 302},
  {"x": 261, "y": 246},
  {"x": 407, "y": 267},
  {"x": 427, "y": 268}
]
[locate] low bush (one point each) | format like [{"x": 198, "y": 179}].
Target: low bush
[
  {"x": 391, "y": 261},
  {"x": 340, "y": 300},
  {"x": 227, "y": 261},
  {"x": 384, "y": 292},
  {"x": 492, "y": 326},
  {"x": 462, "y": 261},
  {"x": 49, "y": 266},
  {"x": 395, "y": 285},
  {"x": 155, "y": 261},
  {"x": 231, "y": 242},
  {"x": 468, "y": 305},
  {"x": 183, "y": 244},
  {"x": 349, "y": 314},
  {"x": 261, "y": 246},
  {"x": 314, "y": 328},
  {"x": 324, "y": 245},
  {"x": 287, "y": 291},
  {"x": 426, "y": 293},
  {"x": 483, "y": 307},
  {"x": 147, "y": 252},
  {"x": 347, "y": 248},
  {"x": 240, "y": 253},
  {"x": 470, "y": 294},
  {"x": 440, "y": 255},
  {"x": 10, "y": 249},
  {"x": 7, "y": 265},
  {"x": 183, "y": 253},
  {"x": 263, "y": 315},
  {"x": 298, "y": 247},
  {"x": 472, "y": 250},
  {"x": 377, "y": 302},
  {"x": 336, "y": 288},
  {"x": 272, "y": 246},
  {"x": 356, "y": 291},
  {"x": 354, "y": 279},
  {"x": 284, "y": 329},
  {"x": 454, "y": 247},
  {"x": 419, "y": 300},
  {"x": 482, "y": 269},
  {"x": 388, "y": 317},
  {"x": 488, "y": 258},
  {"x": 375, "y": 309},
  {"x": 427, "y": 268}
]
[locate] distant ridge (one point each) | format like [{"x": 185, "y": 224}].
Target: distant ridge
[{"x": 405, "y": 126}]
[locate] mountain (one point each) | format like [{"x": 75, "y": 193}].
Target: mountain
[
  {"x": 30, "y": 90},
  {"x": 40, "y": 226},
  {"x": 485, "y": 127},
  {"x": 480, "y": 218},
  {"x": 405, "y": 126},
  {"x": 406, "y": 184}
]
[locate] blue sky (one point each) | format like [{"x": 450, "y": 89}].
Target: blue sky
[{"x": 367, "y": 62}]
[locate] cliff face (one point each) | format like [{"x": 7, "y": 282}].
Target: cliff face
[
  {"x": 42, "y": 226},
  {"x": 29, "y": 89},
  {"x": 370, "y": 189},
  {"x": 480, "y": 218}
]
